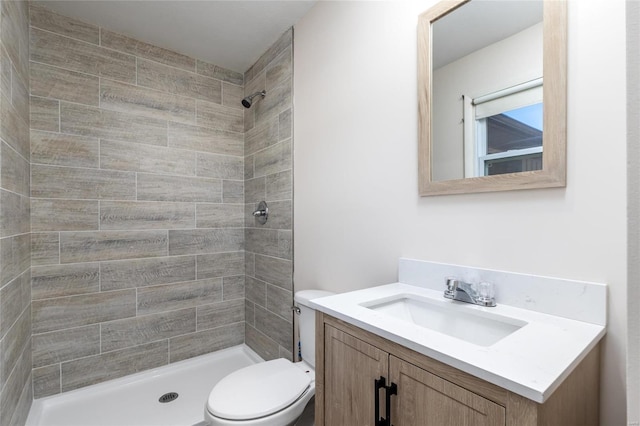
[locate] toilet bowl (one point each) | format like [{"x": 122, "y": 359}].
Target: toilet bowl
[{"x": 270, "y": 393}]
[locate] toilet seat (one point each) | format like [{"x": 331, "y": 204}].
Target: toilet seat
[{"x": 258, "y": 390}]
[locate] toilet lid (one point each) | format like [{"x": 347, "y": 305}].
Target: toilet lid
[{"x": 258, "y": 390}]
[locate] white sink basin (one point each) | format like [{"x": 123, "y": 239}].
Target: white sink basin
[{"x": 453, "y": 319}]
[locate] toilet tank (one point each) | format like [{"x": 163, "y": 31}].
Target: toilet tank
[{"x": 307, "y": 322}]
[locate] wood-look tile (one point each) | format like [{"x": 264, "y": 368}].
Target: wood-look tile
[
  {"x": 74, "y": 311},
  {"x": 45, "y": 248},
  {"x": 14, "y": 342},
  {"x": 249, "y": 313},
  {"x": 284, "y": 42},
  {"x": 64, "y": 345},
  {"x": 264, "y": 346},
  {"x": 15, "y": 256},
  {"x": 280, "y": 69},
  {"x": 280, "y": 215},
  {"x": 285, "y": 244},
  {"x": 59, "y": 149},
  {"x": 14, "y": 214},
  {"x": 77, "y": 183},
  {"x": 52, "y": 82},
  {"x": 179, "y": 82},
  {"x": 278, "y": 101},
  {"x": 204, "y": 241},
  {"x": 203, "y": 342},
  {"x": 219, "y": 216},
  {"x": 274, "y": 271},
  {"x": 275, "y": 327},
  {"x": 219, "y": 314},
  {"x": 249, "y": 263},
  {"x": 220, "y": 264},
  {"x": 14, "y": 171},
  {"x": 111, "y": 245},
  {"x": 285, "y": 125},
  {"x": 14, "y": 129},
  {"x": 64, "y": 215},
  {"x": 275, "y": 159},
  {"x": 100, "y": 123},
  {"x": 220, "y": 166},
  {"x": 14, "y": 34},
  {"x": 279, "y": 301},
  {"x": 45, "y": 114},
  {"x": 255, "y": 190},
  {"x": 5, "y": 71},
  {"x": 177, "y": 188},
  {"x": 232, "y": 191},
  {"x": 248, "y": 167},
  {"x": 233, "y": 287},
  {"x": 124, "y": 274},
  {"x": 65, "y": 280},
  {"x": 262, "y": 136},
  {"x": 146, "y": 158},
  {"x": 147, "y": 328},
  {"x": 219, "y": 117},
  {"x": 144, "y": 50},
  {"x": 279, "y": 186},
  {"x": 130, "y": 99},
  {"x": 43, "y": 18},
  {"x": 176, "y": 296},
  {"x": 12, "y": 301},
  {"x": 146, "y": 215},
  {"x": 20, "y": 95},
  {"x": 75, "y": 55},
  {"x": 214, "y": 71},
  {"x": 198, "y": 138},
  {"x": 232, "y": 96},
  {"x": 98, "y": 368},
  {"x": 268, "y": 242},
  {"x": 46, "y": 381},
  {"x": 18, "y": 379},
  {"x": 255, "y": 291}
]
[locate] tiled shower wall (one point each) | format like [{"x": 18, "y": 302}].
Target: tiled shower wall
[
  {"x": 137, "y": 208},
  {"x": 268, "y": 176},
  {"x": 15, "y": 291}
]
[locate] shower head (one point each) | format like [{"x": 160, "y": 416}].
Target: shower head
[{"x": 246, "y": 102}]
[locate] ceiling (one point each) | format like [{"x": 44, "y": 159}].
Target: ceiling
[{"x": 231, "y": 34}]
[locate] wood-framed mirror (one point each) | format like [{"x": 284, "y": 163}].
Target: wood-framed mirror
[{"x": 495, "y": 117}]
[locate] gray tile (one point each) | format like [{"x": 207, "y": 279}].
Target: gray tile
[
  {"x": 219, "y": 117},
  {"x": 14, "y": 174},
  {"x": 162, "y": 298},
  {"x": 278, "y": 329},
  {"x": 177, "y": 188},
  {"x": 12, "y": 302},
  {"x": 20, "y": 96},
  {"x": 250, "y": 263},
  {"x": 274, "y": 271},
  {"x": 220, "y": 166},
  {"x": 5, "y": 71},
  {"x": 65, "y": 280},
  {"x": 100, "y": 123},
  {"x": 255, "y": 291},
  {"x": 279, "y": 100},
  {"x": 43, "y": 18},
  {"x": 45, "y": 114},
  {"x": 203, "y": 241},
  {"x": 65, "y": 345},
  {"x": 179, "y": 82},
  {"x": 95, "y": 369},
  {"x": 265, "y": 241},
  {"x": 14, "y": 343},
  {"x": 74, "y": 311},
  {"x": 146, "y": 158},
  {"x": 15, "y": 38},
  {"x": 276, "y": 158},
  {"x": 248, "y": 167},
  {"x": 203, "y": 342},
  {"x": 64, "y": 215},
  {"x": 232, "y": 95},
  {"x": 45, "y": 248},
  {"x": 18, "y": 379},
  {"x": 198, "y": 138},
  {"x": 249, "y": 313},
  {"x": 52, "y": 82},
  {"x": 264, "y": 346},
  {"x": 75, "y": 55},
  {"x": 285, "y": 244},
  {"x": 14, "y": 214},
  {"x": 46, "y": 381},
  {"x": 220, "y": 216},
  {"x": 138, "y": 48},
  {"x": 283, "y": 353},
  {"x": 255, "y": 190},
  {"x": 146, "y": 215},
  {"x": 279, "y": 301},
  {"x": 58, "y": 149},
  {"x": 232, "y": 191},
  {"x": 271, "y": 53},
  {"x": 132, "y": 99},
  {"x": 14, "y": 129},
  {"x": 15, "y": 256},
  {"x": 219, "y": 314},
  {"x": 214, "y": 71},
  {"x": 123, "y": 274},
  {"x": 280, "y": 69},
  {"x": 80, "y": 183},
  {"x": 111, "y": 245},
  {"x": 285, "y": 125},
  {"x": 262, "y": 136},
  {"x": 23, "y": 407},
  {"x": 233, "y": 287},
  {"x": 147, "y": 328},
  {"x": 280, "y": 215},
  {"x": 220, "y": 264},
  {"x": 279, "y": 186}
]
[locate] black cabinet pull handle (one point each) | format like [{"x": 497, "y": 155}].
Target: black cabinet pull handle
[
  {"x": 378, "y": 384},
  {"x": 390, "y": 390}
]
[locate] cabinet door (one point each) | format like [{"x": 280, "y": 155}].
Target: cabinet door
[
  {"x": 351, "y": 366},
  {"x": 425, "y": 399}
]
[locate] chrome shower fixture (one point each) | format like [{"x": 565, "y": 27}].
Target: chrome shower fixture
[{"x": 246, "y": 102}]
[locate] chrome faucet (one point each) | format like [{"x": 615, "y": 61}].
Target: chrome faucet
[{"x": 481, "y": 294}]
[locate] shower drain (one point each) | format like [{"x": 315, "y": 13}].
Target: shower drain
[{"x": 168, "y": 397}]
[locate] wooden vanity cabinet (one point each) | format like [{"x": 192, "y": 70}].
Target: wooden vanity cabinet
[{"x": 349, "y": 360}]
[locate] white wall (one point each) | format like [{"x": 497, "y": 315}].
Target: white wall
[{"x": 356, "y": 202}]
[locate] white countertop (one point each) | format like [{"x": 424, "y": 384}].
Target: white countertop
[{"x": 532, "y": 361}]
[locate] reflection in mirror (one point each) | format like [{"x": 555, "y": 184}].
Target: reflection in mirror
[{"x": 492, "y": 95}]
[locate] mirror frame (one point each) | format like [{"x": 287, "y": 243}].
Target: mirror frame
[{"x": 554, "y": 66}]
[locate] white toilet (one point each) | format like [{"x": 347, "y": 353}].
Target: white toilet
[{"x": 271, "y": 393}]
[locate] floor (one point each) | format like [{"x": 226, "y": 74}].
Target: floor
[{"x": 133, "y": 400}]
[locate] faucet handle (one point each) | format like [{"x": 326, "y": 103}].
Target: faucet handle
[
  {"x": 452, "y": 287},
  {"x": 486, "y": 294}
]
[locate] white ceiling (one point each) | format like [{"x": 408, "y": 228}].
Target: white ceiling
[{"x": 232, "y": 33}]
